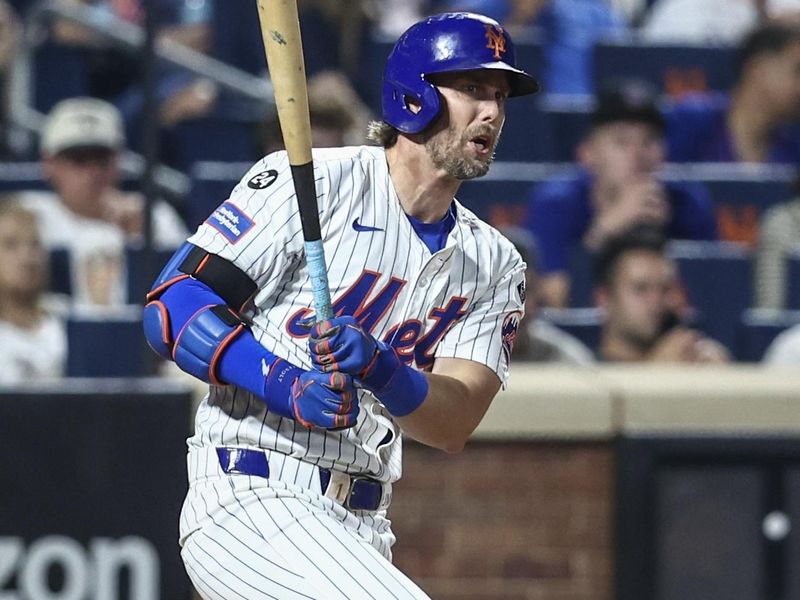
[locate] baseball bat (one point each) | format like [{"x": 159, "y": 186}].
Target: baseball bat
[{"x": 283, "y": 46}]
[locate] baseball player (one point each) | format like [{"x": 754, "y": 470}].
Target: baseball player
[{"x": 298, "y": 441}]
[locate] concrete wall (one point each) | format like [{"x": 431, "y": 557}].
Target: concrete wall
[{"x": 525, "y": 512}]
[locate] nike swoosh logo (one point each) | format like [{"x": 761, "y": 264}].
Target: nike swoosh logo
[{"x": 359, "y": 227}]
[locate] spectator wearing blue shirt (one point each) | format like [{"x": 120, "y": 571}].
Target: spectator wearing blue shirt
[
  {"x": 616, "y": 188},
  {"x": 570, "y": 29},
  {"x": 757, "y": 121}
]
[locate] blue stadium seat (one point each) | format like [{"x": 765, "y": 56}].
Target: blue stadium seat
[
  {"x": 508, "y": 184},
  {"x": 142, "y": 270},
  {"x": 567, "y": 119},
  {"x": 60, "y": 71},
  {"x": 583, "y": 323},
  {"x": 528, "y": 134},
  {"x": 215, "y": 137},
  {"x": 793, "y": 279},
  {"x": 107, "y": 344},
  {"x": 758, "y": 328},
  {"x": 19, "y": 176},
  {"x": 658, "y": 64},
  {"x": 237, "y": 36},
  {"x": 737, "y": 185},
  {"x": 581, "y": 277},
  {"x": 717, "y": 277},
  {"x": 211, "y": 185},
  {"x": 60, "y": 271}
]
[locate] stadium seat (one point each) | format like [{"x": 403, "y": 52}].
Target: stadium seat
[
  {"x": 142, "y": 270},
  {"x": 20, "y": 176},
  {"x": 581, "y": 277},
  {"x": 506, "y": 188},
  {"x": 793, "y": 280},
  {"x": 211, "y": 185},
  {"x": 738, "y": 185},
  {"x": 567, "y": 119},
  {"x": 717, "y": 277},
  {"x": 757, "y": 329},
  {"x": 60, "y": 271},
  {"x": 528, "y": 134},
  {"x": 107, "y": 344},
  {"x": 671, "y": 68},
  {"x": 583, "y": 323},
  {"x": 214, "y": 138},
  {"x": 60, "y": 71}
]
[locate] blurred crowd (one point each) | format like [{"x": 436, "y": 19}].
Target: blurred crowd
[{"x": 69, "y": 238}]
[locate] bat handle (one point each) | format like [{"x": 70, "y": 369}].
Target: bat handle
[{"x": 318, "y": 272}]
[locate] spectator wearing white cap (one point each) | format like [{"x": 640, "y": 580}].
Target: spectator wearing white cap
[{"x": 87, "y": 214}]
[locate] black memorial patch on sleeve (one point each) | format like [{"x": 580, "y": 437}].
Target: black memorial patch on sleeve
[{"x": 261, "y": 181}]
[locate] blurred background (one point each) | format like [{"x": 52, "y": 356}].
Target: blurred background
[{"x": 647, "y": 446}]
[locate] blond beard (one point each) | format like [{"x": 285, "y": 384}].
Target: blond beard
[{"x": 451, "y": 157}]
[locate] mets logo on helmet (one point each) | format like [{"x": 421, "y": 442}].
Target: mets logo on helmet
[
  {"x": 495, "y": 40},
  {"x": 509, "y": 333}
]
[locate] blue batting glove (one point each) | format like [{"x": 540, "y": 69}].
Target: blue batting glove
[
  {"x": 325, "y": 400},
  {"x": 341, "y": 344}
]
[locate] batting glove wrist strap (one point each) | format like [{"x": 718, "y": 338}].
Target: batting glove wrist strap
[
  {"x": 404, "y": 390},
  {"x": 381, "y": 368}
]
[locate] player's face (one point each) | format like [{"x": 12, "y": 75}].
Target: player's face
[
  {"x": 622, "y": 152},
  {"x": 81, "y": 177},
  {"x": 463, "y": 140},
  {"x": 643, "y": 290},
  {"x": 781, "y": 80},
  {"x": 23, "y": 261}
]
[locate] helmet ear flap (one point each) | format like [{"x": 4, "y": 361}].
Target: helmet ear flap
[{"x": 410, "y": 110}]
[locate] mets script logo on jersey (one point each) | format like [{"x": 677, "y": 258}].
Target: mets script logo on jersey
[
  {"x": 413, "y": 342},
  {"x": 230, "y": 221},
  {"x": 495, "y": 40},
  {"x": 509, "y": 333}
]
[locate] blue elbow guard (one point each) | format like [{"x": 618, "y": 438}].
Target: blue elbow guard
[
  {"x": 171, "y": 272},
  {"x": 155, "y": 320},
  {"x": 204, "y": 338},
  {"x": 224, "y": 279}
]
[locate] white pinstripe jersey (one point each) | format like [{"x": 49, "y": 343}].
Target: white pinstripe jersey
[{"x": 463, "y": 301}]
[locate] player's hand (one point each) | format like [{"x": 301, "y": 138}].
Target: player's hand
[
  {"x": 341, "y": 344},
  {"x": 324, "y": 400}
]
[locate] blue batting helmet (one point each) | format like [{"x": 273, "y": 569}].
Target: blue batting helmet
[{"x": 444, "y": 43}]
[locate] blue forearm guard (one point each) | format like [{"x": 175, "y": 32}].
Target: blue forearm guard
[
  {"x": 242, "y": 361},
  {"x": 203, "y": 339}
]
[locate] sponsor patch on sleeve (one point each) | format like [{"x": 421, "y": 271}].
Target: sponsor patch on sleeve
[
  {"x": 230, "y": 221},
  {"x": 509, "y": 333}
]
